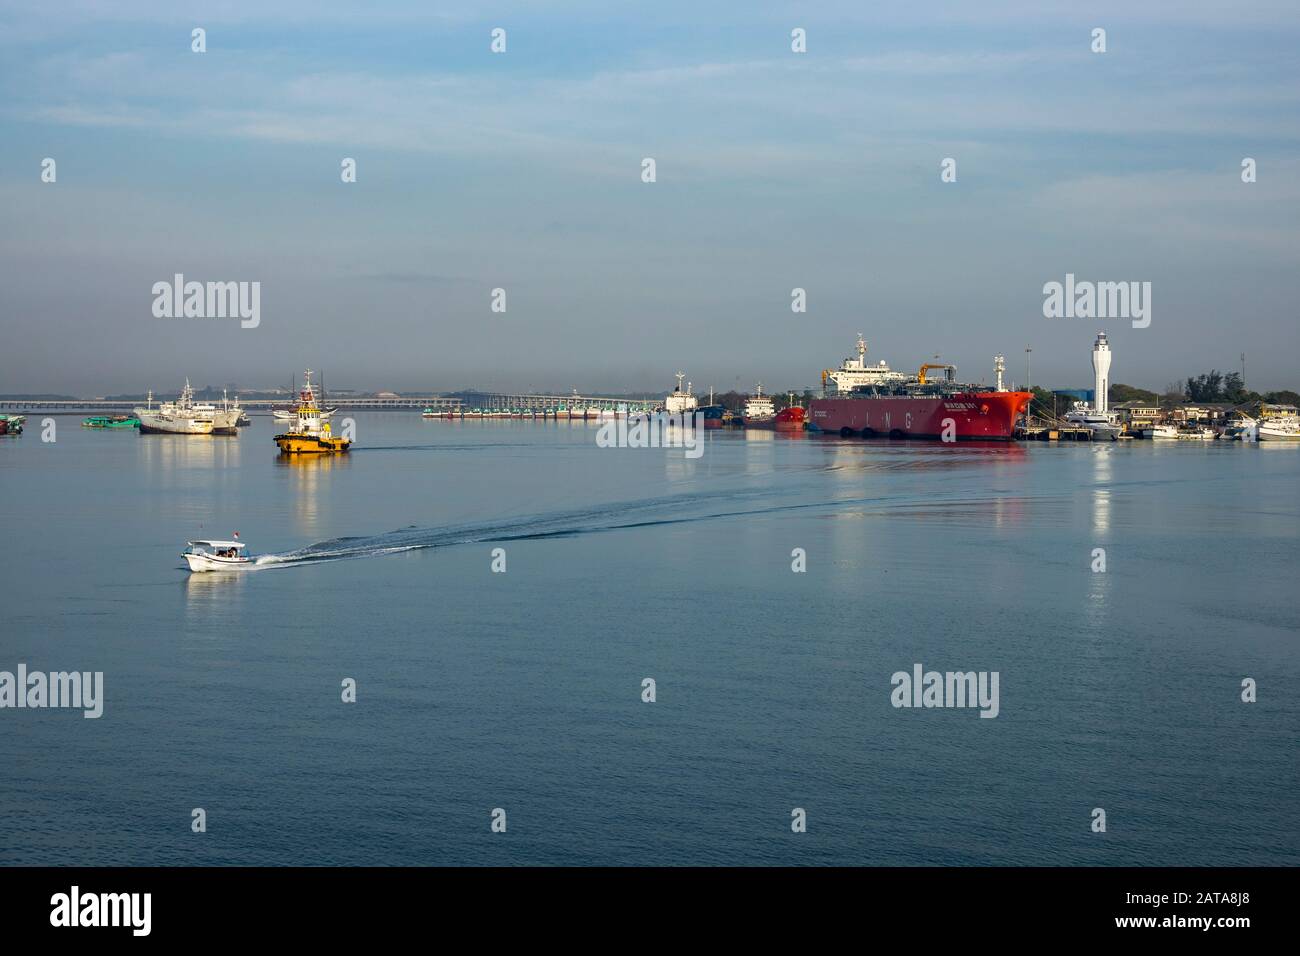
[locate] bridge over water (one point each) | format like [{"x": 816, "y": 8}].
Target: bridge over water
[{"x": 493, "y": 401}]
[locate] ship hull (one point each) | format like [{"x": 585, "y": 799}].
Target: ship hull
[
  {"x": 1266, "y": 433},
  {"x": 157, "y": 425},
  {"x": 294, "y": 444},
  {"x": 711, "y": 415},
  {"x": 980, "y": 416}
]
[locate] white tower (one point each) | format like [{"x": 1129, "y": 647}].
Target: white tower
[{"x": 1101, "y": 373}]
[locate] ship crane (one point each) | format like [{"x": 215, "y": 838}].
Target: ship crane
[{"x": 950, "y": 369}]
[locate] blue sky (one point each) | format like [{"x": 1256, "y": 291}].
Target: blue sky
[{"x": 522, "y": 171}]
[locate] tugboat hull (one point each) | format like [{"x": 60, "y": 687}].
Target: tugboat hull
[{"x": 311, "y": 445}]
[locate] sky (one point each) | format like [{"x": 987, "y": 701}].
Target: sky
[{"x": 522, "y": 171}]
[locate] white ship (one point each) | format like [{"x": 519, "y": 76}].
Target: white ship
[
  {"x": 174, "y": 418},
  {"x": 1162, "y": 431},
  {"x": 1101, "y": 424},
  {"x": 680, "y": 402},
  {"x": 1279, "y": 423},
  {"x": 854, "y": 372},
  {"x": 225, "y": 419},
  {"x": 758, "y": 408}
]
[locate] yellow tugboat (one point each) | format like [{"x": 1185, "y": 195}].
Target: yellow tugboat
[{"x": 309, "y": 433}]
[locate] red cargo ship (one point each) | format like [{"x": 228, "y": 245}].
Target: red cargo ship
[
  {"x": 790, "y": 419},
  {"x": 760, "y": 412},
  {"x": 874, "y": 400}
]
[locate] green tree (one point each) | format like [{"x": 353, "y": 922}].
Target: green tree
[{"x": 1129, "y": 393}]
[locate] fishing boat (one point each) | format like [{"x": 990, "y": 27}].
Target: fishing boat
[
  {"x": 216, "y": 555},
  {"x": 174, "y": 418},
  {"x": 309, "y": 433},
  {"x": 12, "y": 424},
  {"x": 110, "y": 421},
  {"x": 225, "y": 419},
  {"x": 232, "y": 406},
  {"x": 1162, "y": 432}
]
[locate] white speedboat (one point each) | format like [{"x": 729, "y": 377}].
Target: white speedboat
[{"x": 216, "y": 556}]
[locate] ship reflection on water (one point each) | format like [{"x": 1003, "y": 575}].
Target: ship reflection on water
[
  {"x": 306, "y": 474},
  {"x": 213, "y": 599}
]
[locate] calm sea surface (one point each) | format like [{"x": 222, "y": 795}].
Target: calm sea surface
[{"x": 522, "y": 690}]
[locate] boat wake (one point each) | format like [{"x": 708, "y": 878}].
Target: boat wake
[
  {"x": 614, "y": 517},
  {"x": 677, "y": 509}
]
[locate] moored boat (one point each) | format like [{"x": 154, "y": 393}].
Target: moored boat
[
  {"x": 110, "y": 421},
  {"x": 12, "y": 424},
  {"x": 1279, "y": 428},
  {"x": 711, "y": 415},
  {"x": 1278, "y": 423},
  {"x": 174, "y": 418},
  {"x": 875, "y": 400},
  {"x": 1241, "y": 427},
  {"x": 759, "y": 410},
  {"x": 680, "y": 402},
  {"x": 790, "y": 419},
  {"x": 1102, "y": 425}
]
